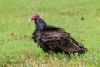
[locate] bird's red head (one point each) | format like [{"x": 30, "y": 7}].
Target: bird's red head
[{"x": 34, "y": 17}]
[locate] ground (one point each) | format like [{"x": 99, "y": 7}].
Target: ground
[{"x": 80, "y": 18}]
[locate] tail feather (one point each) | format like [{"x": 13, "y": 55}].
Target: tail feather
[{"x": 71, "y": 45}]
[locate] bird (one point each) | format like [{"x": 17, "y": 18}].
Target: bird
[{"x": 54, "y": 39}]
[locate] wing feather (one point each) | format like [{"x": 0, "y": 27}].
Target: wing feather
[
  {"x": 57, "y": 40},
  {"x": 60, "y": 39},
  {"x": 53, "y": 35}
]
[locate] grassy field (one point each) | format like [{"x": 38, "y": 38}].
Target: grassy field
[{"x": 18, "y": 50}]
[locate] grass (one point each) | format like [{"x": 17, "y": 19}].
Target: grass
[{"x": 18, "y": 50}]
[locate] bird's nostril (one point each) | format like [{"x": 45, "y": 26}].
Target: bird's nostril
[{"x": 34, "y": 17}]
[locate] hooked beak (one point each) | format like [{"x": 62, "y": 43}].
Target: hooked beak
[{"x": 29, "y": 20}]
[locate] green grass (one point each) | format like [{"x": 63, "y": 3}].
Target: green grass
[{"x": 18, "y": 50}]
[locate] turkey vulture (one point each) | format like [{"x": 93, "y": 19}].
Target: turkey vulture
[{"x": 54, "y": 39}]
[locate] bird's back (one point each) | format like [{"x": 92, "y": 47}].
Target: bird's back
[{"x": 53, "y": 33}]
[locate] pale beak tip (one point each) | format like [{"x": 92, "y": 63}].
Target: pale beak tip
[{"x": 29, "y": 20}]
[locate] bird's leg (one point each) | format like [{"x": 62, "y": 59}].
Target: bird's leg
[
  {"x": 67, "y": 53},
  {"x": 50, "y": 52}
]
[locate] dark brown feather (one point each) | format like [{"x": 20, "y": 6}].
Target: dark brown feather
[{"x": 57, "y": 40}]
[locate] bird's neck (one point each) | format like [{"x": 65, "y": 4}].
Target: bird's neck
[{"x": 40, "y": 24}]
